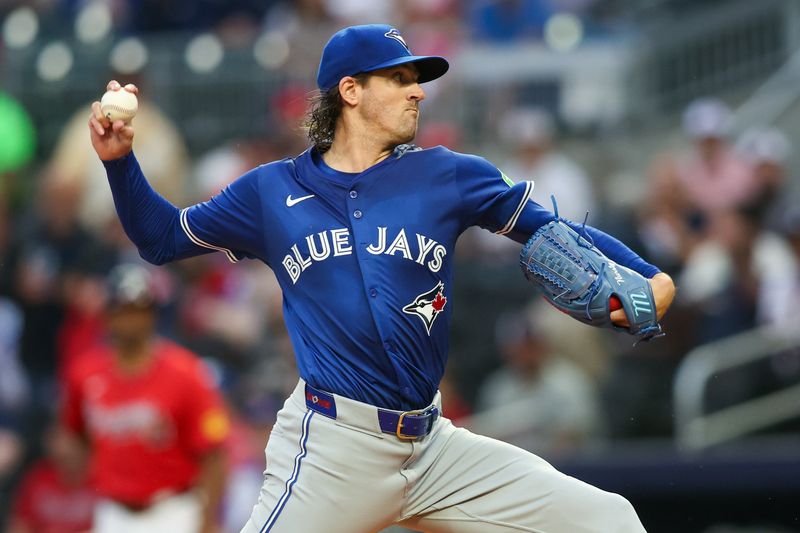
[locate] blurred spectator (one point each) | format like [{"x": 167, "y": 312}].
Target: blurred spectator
[
  {"x": 12, "y": 451},
  {"x": 735, "y": 280},
  {"x": 244, "y": 453},
  {"x": 768, "y": 151},
  {"x": 587, "y": 347},
  {"x": 215, "y": 170},
  {"x": 153, "y": 419},
  {"x": 6, "y": 232},
  {"x": 436, "y": 28},
  {"x": 14, "y": 387},
  {"x": 530, "y": 132},
  {"x": 688, "y": 190},
  {"x": 13, "y": 381},
  {"x": 550, "y": 399},
  {"x": 304, "y": 24},
  {"x": 419, "y": 17},
  {"x": 158, "y": 141},
  {"x": 56, "y": 495},
  {"x": 161, "y": 15},
  {"x": 49, "y": 241},
  {"x": 779, "y": 302},
  {"x": 505, "y": 21},
  {"x": 224, "y": 308},
  {"x": 289, "y": 105},
  {"x": 352, "y": 12},
  {"x": 85, "y": 296},
  {"x": 255, "y": 399},
  {"x": 439, "y": 133},
  {"x": 725, "y": 276},
  {"x": 289, "y": 14}
]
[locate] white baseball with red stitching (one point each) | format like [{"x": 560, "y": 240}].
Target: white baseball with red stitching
[{"x": 119, "y": 105}]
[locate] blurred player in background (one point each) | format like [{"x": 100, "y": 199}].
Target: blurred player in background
[
  {"x": 152, "y": 418},
  {"x": 56, "y": 495}
]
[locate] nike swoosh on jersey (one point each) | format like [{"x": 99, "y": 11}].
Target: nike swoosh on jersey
[{"x": 292, "y": 201}]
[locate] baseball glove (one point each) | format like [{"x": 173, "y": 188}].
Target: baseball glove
[{"x": 579, "y": 280}]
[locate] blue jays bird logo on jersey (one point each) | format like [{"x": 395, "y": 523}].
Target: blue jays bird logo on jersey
[
  {"x": 394, "y": 34},
  {"x": 428, "y": 305}
]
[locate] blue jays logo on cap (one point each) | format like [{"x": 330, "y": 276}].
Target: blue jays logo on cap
[
  {"x": 394, "y": 34},
  {"x": 371, "y": 47}
]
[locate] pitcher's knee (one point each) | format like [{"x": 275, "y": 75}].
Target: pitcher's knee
[{"x": 621, "y": 516}]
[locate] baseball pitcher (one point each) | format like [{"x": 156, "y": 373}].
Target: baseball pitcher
[{"x": 360, "y": 231}]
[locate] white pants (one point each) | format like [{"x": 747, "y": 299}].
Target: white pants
[
  {"x": 176, "y": 514},
  {"x": 346, "y": 476}
]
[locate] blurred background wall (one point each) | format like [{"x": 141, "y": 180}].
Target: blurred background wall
[{"x": 674, "y": 123}]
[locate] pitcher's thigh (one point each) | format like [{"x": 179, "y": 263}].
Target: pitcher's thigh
[
  {"x": 315, "y": 482},
  {"x": 478, "y": 484}
]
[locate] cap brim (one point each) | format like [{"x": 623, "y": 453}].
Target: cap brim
[{"x": 429, "y": 67}]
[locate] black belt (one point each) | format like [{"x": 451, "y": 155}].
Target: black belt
[{"x": 405, "y": 425}]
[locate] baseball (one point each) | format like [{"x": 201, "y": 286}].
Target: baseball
[{"x": 119, "y": 105}]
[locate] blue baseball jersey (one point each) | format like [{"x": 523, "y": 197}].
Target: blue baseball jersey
[{"x": 365, "y": 261}]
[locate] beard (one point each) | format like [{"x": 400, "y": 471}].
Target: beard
[
  {"x": 405, "y": 130},
  {"x": 408, "y": 135},
  {"x": 389, "y": 126}
]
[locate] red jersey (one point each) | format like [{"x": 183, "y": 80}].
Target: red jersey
[
  {"x": 148, "y": 430},
  {"x": 46, "y": 503}
]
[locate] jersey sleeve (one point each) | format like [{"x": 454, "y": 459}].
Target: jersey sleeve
[
  {"x": 617, "y": 251},
  {"x": 205, "y": 423},
  {"x": 494, "y": 202},
  {"x": 229, "y": 222}
]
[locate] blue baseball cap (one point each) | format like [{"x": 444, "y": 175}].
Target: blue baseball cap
[{"x": 371, "y": 47}]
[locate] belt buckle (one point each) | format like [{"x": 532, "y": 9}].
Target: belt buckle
[
  {"x": 433, "y": 411},
  {"x": 399, "y": 432}
]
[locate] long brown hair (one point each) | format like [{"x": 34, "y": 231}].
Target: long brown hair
[{"x": 323, "y": 113}]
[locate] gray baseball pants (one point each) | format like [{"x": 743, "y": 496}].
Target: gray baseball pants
[{"x": 344, "y": 475}]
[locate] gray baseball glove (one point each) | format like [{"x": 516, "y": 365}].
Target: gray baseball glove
[{"x": 579, "y": 280}]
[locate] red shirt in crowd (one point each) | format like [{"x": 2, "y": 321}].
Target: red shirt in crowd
[
  {"x": 48, "y": 503},
  {"x": 148, "y": 430}
]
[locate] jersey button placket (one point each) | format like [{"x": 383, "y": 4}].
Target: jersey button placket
[{"x": 357, "y": 213}]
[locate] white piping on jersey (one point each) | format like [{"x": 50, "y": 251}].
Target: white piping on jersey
[
  {"x": 513, "y": 220},
  {"x": 199, "y": 242}
]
